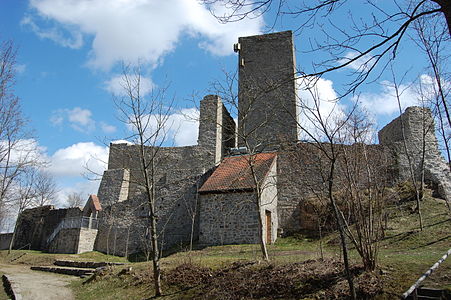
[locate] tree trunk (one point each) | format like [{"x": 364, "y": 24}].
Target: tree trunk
[{"x": 339, "y": 220}]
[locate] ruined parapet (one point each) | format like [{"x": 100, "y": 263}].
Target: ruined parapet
[
  {"x": 267, "y": 90},
  {"x": 419, "y": 133},
  {"x": 114, "y": 186},
  {"x": 216, "y": 127}
]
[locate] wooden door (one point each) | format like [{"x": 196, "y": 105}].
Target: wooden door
[{"x": 268, "y": 227}]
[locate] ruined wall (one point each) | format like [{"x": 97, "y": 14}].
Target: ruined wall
[
  {"x": 267, "y": 95},
  {"x": 419, "y": 133},
  {"x": 86, "y": 240},
  {"x": 178, "y": 173},
  {"x": 302, "y": 176},
  {"x": 5, "y": 240},
  {"x": 66, "y": 241},
  {"x": 114, "y": 185},
  {"x": 37, "y": 224},
  {"x": 216, "y": 127}
]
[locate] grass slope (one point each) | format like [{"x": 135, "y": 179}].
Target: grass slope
[{"x": 295, "y": 271}]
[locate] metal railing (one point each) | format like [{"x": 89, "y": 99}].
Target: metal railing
[{"x": 76, "y": 222}]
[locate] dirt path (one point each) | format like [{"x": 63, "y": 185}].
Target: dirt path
[{"x": 36, "y": 285}]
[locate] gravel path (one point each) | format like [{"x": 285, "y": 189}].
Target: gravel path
[{"x": 36, "y": 285}]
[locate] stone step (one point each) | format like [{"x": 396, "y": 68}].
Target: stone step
[
  {"x": 85, "y": 264},
  {"x": 67, "y": 270}
]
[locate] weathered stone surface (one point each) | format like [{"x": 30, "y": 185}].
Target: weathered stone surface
[
  {"x": 267, "y": 95},
  {"x": 419, "y": 134}
]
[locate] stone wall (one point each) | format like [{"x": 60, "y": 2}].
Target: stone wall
[
  {"x": 178, "y": 171},
  {"x": 37, "y": 224},
  {"x": 5, "y": 240},
  {"x": 302, "y": 175},
  {"x": 66, "y": 241},
  {"x": 86, "y": 240},
  {"x": 267, "y": 95},
  {"x": 232, "y": 217},
  {"x": 419, "y": 133}
]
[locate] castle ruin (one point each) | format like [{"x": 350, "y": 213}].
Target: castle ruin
[{"x": 206, "y": 192}]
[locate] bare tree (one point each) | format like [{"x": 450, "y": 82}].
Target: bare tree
[
  {"x": 18, "y": 151},
  {"x": 147, "y": 118},
  {"x": 75, "y": 199},
  {"x": 365, "y": 180},
  {"x": 432, "y": 40},
  {"x": 45, "y": 188},
  {"x": 368, "y": 43},
  {"x": 24, "y": 194}
]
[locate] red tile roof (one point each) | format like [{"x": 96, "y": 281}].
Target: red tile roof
[
  {"x": 234, "y": 173},
  {"x": 95, "y": 202}
]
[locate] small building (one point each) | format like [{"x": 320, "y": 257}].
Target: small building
[{"x": 232, "y": 196}]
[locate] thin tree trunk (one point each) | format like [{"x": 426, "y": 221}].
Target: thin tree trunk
[
  {"x": 339, "y": 220},
  {"x": 409, "y": 160}
]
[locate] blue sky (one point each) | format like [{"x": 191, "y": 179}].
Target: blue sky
[{"x": 69, "y": 54}]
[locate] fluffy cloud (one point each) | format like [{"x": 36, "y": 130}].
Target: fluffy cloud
[
  {"x": 79, "y": 159},
  {"x": 79, "y": 119},
  {"x": 116, "y": 85},
  {"x": 107, "y": 128},
  {"x": 23, "y": 151},
  {"x": 75, "y": 41},
  {"x": 385, "y": 102},
  {"x": 317, "y": 100},
  {"x": 177, "y": 129},
  {"x": 131, "y": 30}
]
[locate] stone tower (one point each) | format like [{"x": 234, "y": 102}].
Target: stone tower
[
  {"x": 216, "y": 128},
  {"x": 267, "y": 91}
]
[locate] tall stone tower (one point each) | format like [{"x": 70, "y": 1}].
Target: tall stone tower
[{"x": 267, "y": 91}]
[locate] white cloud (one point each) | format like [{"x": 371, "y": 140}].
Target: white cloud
[
  {"x": 86, "y": 188},
  {"x": 141, "y": 29},
  {"x": 78, "y": 118},
  {"x": 317, "y": 100},
  {"x": 25, "y": 150},
  {"x": 362, "y": 64},
  {"x": 75, "y": 41},
  {"x": 20, "y": 68},
  {"x": 184, "y": 126},
  {"x": 79, "y": 159},
  {"x": 117, "y": 85},
  {"x": 107, "y": 128},
  {"x": 385, "y": 102},
  {"x": 181, "y": 128}
]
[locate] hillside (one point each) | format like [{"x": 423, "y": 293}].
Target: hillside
[{"x": 296, "y": 270}]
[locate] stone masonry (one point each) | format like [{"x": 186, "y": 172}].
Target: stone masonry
[
  {"x": 419, "y": 134},
  {"x": 267, "y": 91},
  {"x": 186, "y": 210},
  {"x": 178, "y": 173}
]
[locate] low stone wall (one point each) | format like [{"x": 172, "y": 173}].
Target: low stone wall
[
  {"x": 5, "y": 240},
  {"x": 66, "y": 241}
]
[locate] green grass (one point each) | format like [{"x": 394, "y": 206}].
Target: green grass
[{"x": 405, "y": 254}]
